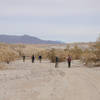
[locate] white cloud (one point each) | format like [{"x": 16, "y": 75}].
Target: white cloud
[
  {"x": 41, "y": 17},
  {"x": 48, "y": 7}
]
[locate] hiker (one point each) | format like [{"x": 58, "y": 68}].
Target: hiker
[
  {"x": 69, "y": 61},
  {"x": 40, "y": 58},
  {"x": 7, "y": 62},
  {"x": 33, "y": 58},
  {"x": 23, "y": 58},
  {"x": 56, "y": 63}
]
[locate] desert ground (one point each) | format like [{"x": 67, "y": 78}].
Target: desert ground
[{"x": 42, "y": 81}]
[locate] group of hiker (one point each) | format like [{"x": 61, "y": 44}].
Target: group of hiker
[
  {"x": 69, "y": 59},
  {"x": 33, "y": 58}
]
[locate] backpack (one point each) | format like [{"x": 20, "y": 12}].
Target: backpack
[{"x": 69, "y": 59}]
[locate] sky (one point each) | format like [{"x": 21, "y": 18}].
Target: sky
[{"x": 62, "y": 20}]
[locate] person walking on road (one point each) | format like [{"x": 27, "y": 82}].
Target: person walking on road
[
  {"x": 40, "y": 58},
  {"x": 56, "y": 62},
  {"x": 33, "y": 58},
  {"x": 69, "y": 61},
  {"x": 24, "y": 58}
]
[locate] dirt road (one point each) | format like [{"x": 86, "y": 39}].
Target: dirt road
[{"x": 27, "y": 81}]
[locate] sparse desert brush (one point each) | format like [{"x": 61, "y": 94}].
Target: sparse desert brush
[
  {"x": 7, "y": 54},
  {"x": 76, "y": 52},
  {"x": 43, "y": 53},
  {"x": 52, "y": 54},
  {"x": 18, "y": 48},
  {"x": 88, "y": 57},
  {"x": 97, "y": 49},
  {"x": 96, "y": 52},
  {"x": 92, "y": 54},
  {"x": 14, "y": 46},
  {"x": 25, "y": 49},
  {"x": 29, "y": 50}
]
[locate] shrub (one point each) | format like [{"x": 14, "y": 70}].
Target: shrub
[
  {"x": 57, "y": 53},
  {"x": 88, "y": 57},
  {"x": 92, "y": 55},
  {"x": 7, "y": 54}
]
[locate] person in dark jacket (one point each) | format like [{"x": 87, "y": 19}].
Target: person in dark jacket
[
  {"x": 40, "y": 58},
  {"x": 69, "y": 59},
  {"x": 24, "y": 58},
  {"x": 56, "y": 62},
  {"x": 33, "y": 58}
]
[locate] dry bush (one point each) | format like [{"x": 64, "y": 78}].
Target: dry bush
[
  {"x": 88, "y": 57},
  {"x": 30, "y": 50},
  {"x": 92, "y": 54},
  {"x": 52, "y": 54},
  {"x": 97, "y": 49},
  {"x": 43, "y": 53},
  {"x": 18, "y": 48},
  {"x": 7, "y": 54},
  {"x": 76, "y": 52},
  {"x": 26, "y": 49}
]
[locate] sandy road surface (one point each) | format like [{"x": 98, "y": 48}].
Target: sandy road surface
[{"x": 27, "y": 81}]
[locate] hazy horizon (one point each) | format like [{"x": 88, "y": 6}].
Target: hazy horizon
[
  {"x": 61, "y": 20},
  {"x": 48, "y": 39}
]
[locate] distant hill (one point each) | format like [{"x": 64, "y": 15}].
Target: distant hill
[{"x": 25, "y": 39}]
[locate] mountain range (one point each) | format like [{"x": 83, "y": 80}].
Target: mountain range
[{"x": 25, "y": 39}]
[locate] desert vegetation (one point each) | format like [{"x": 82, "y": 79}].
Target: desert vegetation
[
  {"x": 89, "y": 55},
  {"x": 92, "y": 54},
  {"x": 62, "y": 54},
  {"x": 7, "y": 54},
  {"x": 11, "y": 52}
]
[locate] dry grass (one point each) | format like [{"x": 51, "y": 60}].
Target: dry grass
[
  {"x": 7, "y": 54},
  {"x": 92, "y": 54}
]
